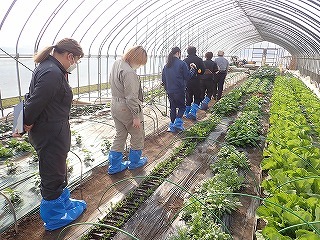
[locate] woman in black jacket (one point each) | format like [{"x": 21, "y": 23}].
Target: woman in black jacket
[{"x": 47, "y": 109}]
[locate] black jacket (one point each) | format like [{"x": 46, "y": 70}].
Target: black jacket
[
  {"x": 50, "y": 95},
  {"x": 200, "y": 66},
  {"x": 47, "y": 107},
  {"x": 212, "y": 66}
]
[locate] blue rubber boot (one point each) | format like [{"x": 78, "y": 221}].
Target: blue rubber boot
[
  {"x": 204, "y": 103},
  {"x": 115, "y": 162},
  {"x": 60, "y": 212},
  {"x": 178, "y": 124},
  {"x": 171, "y": 128},
  {"x": 136, "y": 160},
  {"x": 193, "y": 112},
  {"x": 187, "y": 111}
]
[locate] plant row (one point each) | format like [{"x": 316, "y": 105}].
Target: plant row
[
  {"x": 246, "y": 130},
  {"x": 231, "y": 102},
  {"x": 309, "y": 105},
  {"x": 203, "y": 213},
  {"x": 291, "y": 209}
]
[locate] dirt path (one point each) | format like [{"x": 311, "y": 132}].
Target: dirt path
[{"x": 153, "y": 219}]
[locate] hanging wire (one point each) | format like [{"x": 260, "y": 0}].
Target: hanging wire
[{"x": 8, "y": 54}]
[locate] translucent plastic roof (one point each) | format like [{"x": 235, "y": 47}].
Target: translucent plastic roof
[{"x": 110, "y": 26}]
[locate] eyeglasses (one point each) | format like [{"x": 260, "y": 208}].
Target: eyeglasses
[{"x": 76, "y": 62}]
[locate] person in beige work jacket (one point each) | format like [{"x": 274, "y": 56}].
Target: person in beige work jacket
[{"x": 126, "y": 110}]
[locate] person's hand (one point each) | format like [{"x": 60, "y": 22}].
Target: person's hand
[
  {"x": 16, "y": 134},
  {"x": 192, "y": 65},
  {"x": 27, "y": 128},
  {"x": 136, "y": 123}
]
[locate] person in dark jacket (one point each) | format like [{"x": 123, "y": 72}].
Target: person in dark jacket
[
  {"x": 207, "y": 81},
  {"x": 47, "y": 109},
  {"x": 175, "y": 75},
  {"x": 193, "y": 91}
]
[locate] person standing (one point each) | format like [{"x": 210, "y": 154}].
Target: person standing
[
  {"x": 126, "y": 110},
  {"x": 175, "y": 75},
  {"x": 223, "y": 66},
  {"x": 207, "y": 81},
  {"x": 193, "y": 91},
  {"x": 46, "y": 119}
]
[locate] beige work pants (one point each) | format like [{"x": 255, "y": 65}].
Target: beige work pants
[{"x": 123, "y": 120}]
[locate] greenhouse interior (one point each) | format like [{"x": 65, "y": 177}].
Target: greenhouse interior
[{"x": 246, "y": 167}]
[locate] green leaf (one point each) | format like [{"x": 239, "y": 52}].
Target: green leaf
[
  {"x": 273, "y": 234},
  {"x": 291, "y": 219},
  {"x": 306, "y": 235}
]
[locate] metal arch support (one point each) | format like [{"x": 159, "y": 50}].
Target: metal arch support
[
  {"x": 95, "y": 20},
  {"x": 95, "y": 37},
  {"x": 185, "y": 20},
  {"x": 12, "y": 210},
  {"x": 17, "y": 54},
  {"x": 155, "y": 30},
  {"x": 134, "y": 17},
  {"x": 7, "y": 13},
  {"x": 81, "y": 169},
  {"x": 47, "y": 23},
  {"x": 249, "y": 5},
  {"x": 132, "y": 13},
  {"x": 176, "y": 18},
  {"x": 106, "y": 38},
  {"x": 70, "y": 15},
  {"x": 290, "y": 30},
  {"x": 199, "y": 22},
  {"x": 256, "y": 5},
  {"x": 154, "y": 122},
  {"x": 157, "y": 120}
]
